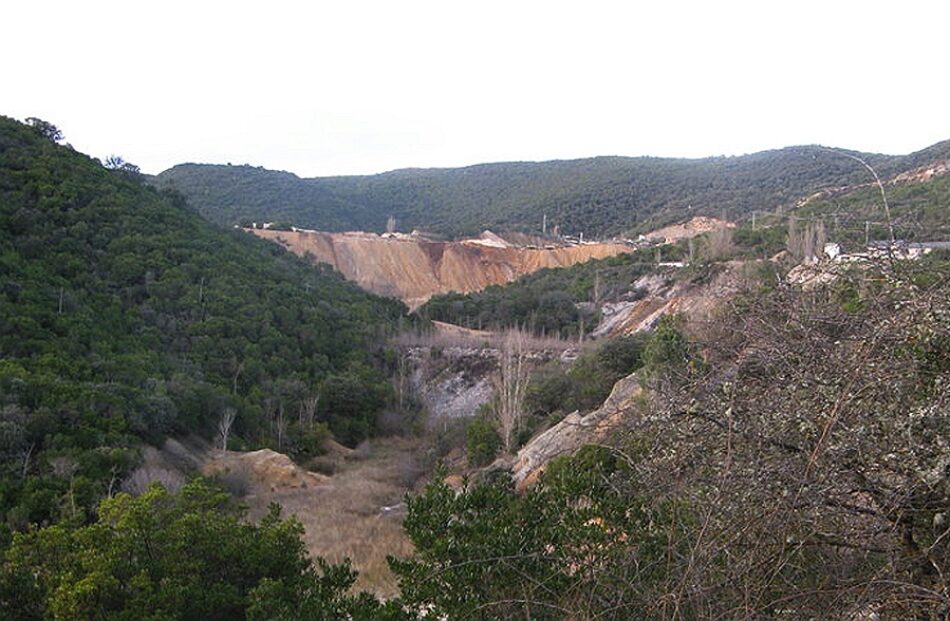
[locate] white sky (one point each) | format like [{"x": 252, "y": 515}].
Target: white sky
[{"x": 353, "y": 86}]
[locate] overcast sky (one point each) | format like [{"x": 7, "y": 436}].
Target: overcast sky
[{"x": 353, "y": 87}]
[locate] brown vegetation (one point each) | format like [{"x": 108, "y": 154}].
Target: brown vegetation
[
  {"x": 356, "y": 513},
  {"x": 811, "y": 446}
]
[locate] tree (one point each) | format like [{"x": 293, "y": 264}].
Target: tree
[
  {"x": 176, "y": 556},
  {"x": 666, "y": 356},
  {"x": 812, "y": 445},
  {"x": 795, "y": 241},
  {"x": 482, "y": 442},
  {"x": 584, "y": 543},
  {"x": 113, "y": 162},
  {"x": 126, "y": 169},
  {"x": 719, "y": 244},
  {"x": 511, "y": 383},
  {"x": 46, "y": 129},
  {"x": 225, "y": 420}
]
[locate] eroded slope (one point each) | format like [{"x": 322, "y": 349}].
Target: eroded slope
[{"x": 414, "y": 269}]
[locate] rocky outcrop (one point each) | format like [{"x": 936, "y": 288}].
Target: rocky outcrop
[
  {"x": 663, "y": 293},
  {"x": 575, "y": 431},
  {"x": 413, "y": 269},
  {"x": 455, "y": 380}
]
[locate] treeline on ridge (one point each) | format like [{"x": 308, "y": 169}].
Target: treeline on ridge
[{"x": 598, "y": 196}]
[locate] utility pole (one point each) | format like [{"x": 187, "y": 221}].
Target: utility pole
[
  {"x": 544, "y": 225},
  {"x": 753, "y": 219}
]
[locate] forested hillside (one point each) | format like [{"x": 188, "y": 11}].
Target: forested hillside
[
  {"x": 124, "y": 317},
  {"x": 553, "y": 302},
  {"x": 598, "y": 196},
  {"x": 920, "y": 211}
]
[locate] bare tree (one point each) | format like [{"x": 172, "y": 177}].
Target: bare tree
[
  {"x": 391, "y": 224},
  {"x": 27, "y": 455},
  {"x": 225, "y": 420},
  {"x": 238, "y": 369},
  {"x": 308, "y": 411},
  {"x": 597, "y": 293},
  {"x": 821, "y": 238},
  {"x": 719, "y": 244},
  {"x": 511, "y": 383},
  {"x": 65, "y": 467},
  {"x": 812, "y": 446},
  {"x": 795, "y": 240},
  {"x": 808, "y": 244},
  {"x": 280, "y": 425},
  {"x": 400, "y": 382}
]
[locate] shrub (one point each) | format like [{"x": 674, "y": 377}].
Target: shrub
[{"x": 482, "y": 441}]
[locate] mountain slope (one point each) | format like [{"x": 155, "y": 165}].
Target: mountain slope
[
  {"x": 599, "y": 196},
  {"x": 125, "y": 316}
]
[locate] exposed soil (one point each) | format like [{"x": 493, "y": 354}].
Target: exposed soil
[{"x": 414, "y": 270}]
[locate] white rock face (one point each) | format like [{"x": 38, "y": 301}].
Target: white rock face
[{"x": 575, "y": 431}]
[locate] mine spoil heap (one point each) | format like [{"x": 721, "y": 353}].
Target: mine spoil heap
[{"x": 414, "y": 269}]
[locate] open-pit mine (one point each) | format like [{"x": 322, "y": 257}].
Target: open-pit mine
[{"x": 413, "y": 268}]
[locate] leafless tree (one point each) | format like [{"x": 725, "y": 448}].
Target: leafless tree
[
  {"x": 238, "y": 367},
  {"x": 308, "y": 411},
  {"x": 811, "y": 449},
  {"x": 65, "y": 467},
  {"x": 795, "y": 241},
  {"x": 225, "y": 420},
  {"x": 280, "y": 426},
  {"x": 808, "y": 243},
  {"x": 400, "y": 381},
  {"x": 719, "y": 244},
  {"x": 511, "y": 383}
]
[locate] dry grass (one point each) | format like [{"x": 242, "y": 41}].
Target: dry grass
[{"x": 345, "y": 517}]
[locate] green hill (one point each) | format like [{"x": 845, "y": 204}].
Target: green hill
[
  {"x": 124, "y": 316},
  {"x": 599, "y": 196}
]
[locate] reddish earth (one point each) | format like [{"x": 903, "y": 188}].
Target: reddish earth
[{"x": 414, "y": 269}]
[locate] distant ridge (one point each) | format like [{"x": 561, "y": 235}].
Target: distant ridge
[{"x": 598, "y": 196}]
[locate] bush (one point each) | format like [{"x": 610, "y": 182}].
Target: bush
[
  {"x": 667, "y": 352},
  {"x": 482, "y": 441},
  {"x": 622, "y": 356},
  {"x": 549, "y": 389},
  {"x": 586, "y": 384}
]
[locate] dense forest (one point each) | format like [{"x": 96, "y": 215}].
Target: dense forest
[
  {"x": 599, "y": 196},
  {"x": 126, "y": 317}
]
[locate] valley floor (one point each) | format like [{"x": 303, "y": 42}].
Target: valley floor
[{"x": 357, "y": 512}]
